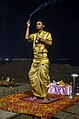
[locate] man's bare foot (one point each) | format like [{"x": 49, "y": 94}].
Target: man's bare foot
[
  {"x": 45, "y": 100},
  {"x": 34, "y": 98}
]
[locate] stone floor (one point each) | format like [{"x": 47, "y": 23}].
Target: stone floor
[
  {"x": 6, "y": 114},
  {"x": 70, "y": 113}
]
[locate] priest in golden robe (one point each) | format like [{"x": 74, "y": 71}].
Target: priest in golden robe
[{"x": 39, "y": 71}]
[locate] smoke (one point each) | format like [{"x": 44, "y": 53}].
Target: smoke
[{"x": 42, "y": 6}]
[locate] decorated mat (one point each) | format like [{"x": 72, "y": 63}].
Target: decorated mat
[
  {"x": 17, "y": 103},
  {"x": 40, "y": 100}
]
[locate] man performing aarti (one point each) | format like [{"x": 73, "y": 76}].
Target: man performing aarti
[{"x": 39, "y": 71}]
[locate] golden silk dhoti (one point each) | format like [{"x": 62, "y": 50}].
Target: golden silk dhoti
[
  {"x": 39, "y": 72},
  {"x": 39, "y": 79}
]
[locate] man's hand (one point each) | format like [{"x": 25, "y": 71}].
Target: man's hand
[
  {"x": 28, "y": 23},
  {"x": 37, "y": 38}
]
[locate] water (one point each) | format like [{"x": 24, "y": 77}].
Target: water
[{"x": 72, "y": 62}]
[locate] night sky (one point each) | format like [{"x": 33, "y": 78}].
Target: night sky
[{"x": 61, "y": 18}]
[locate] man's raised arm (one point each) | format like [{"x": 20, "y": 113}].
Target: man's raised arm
[{"x": 27, "y": 30}]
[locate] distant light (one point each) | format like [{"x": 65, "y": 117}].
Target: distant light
[{"x": 6, "y": 59}]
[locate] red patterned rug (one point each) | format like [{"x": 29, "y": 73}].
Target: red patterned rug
[
  {"x": 19, "y": 103},
  {"x": 40, "y": 100}
]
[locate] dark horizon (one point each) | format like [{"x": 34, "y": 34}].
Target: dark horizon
[
  {"x": 62, "y": 20},
  {"x": 72, "y": 62}
]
